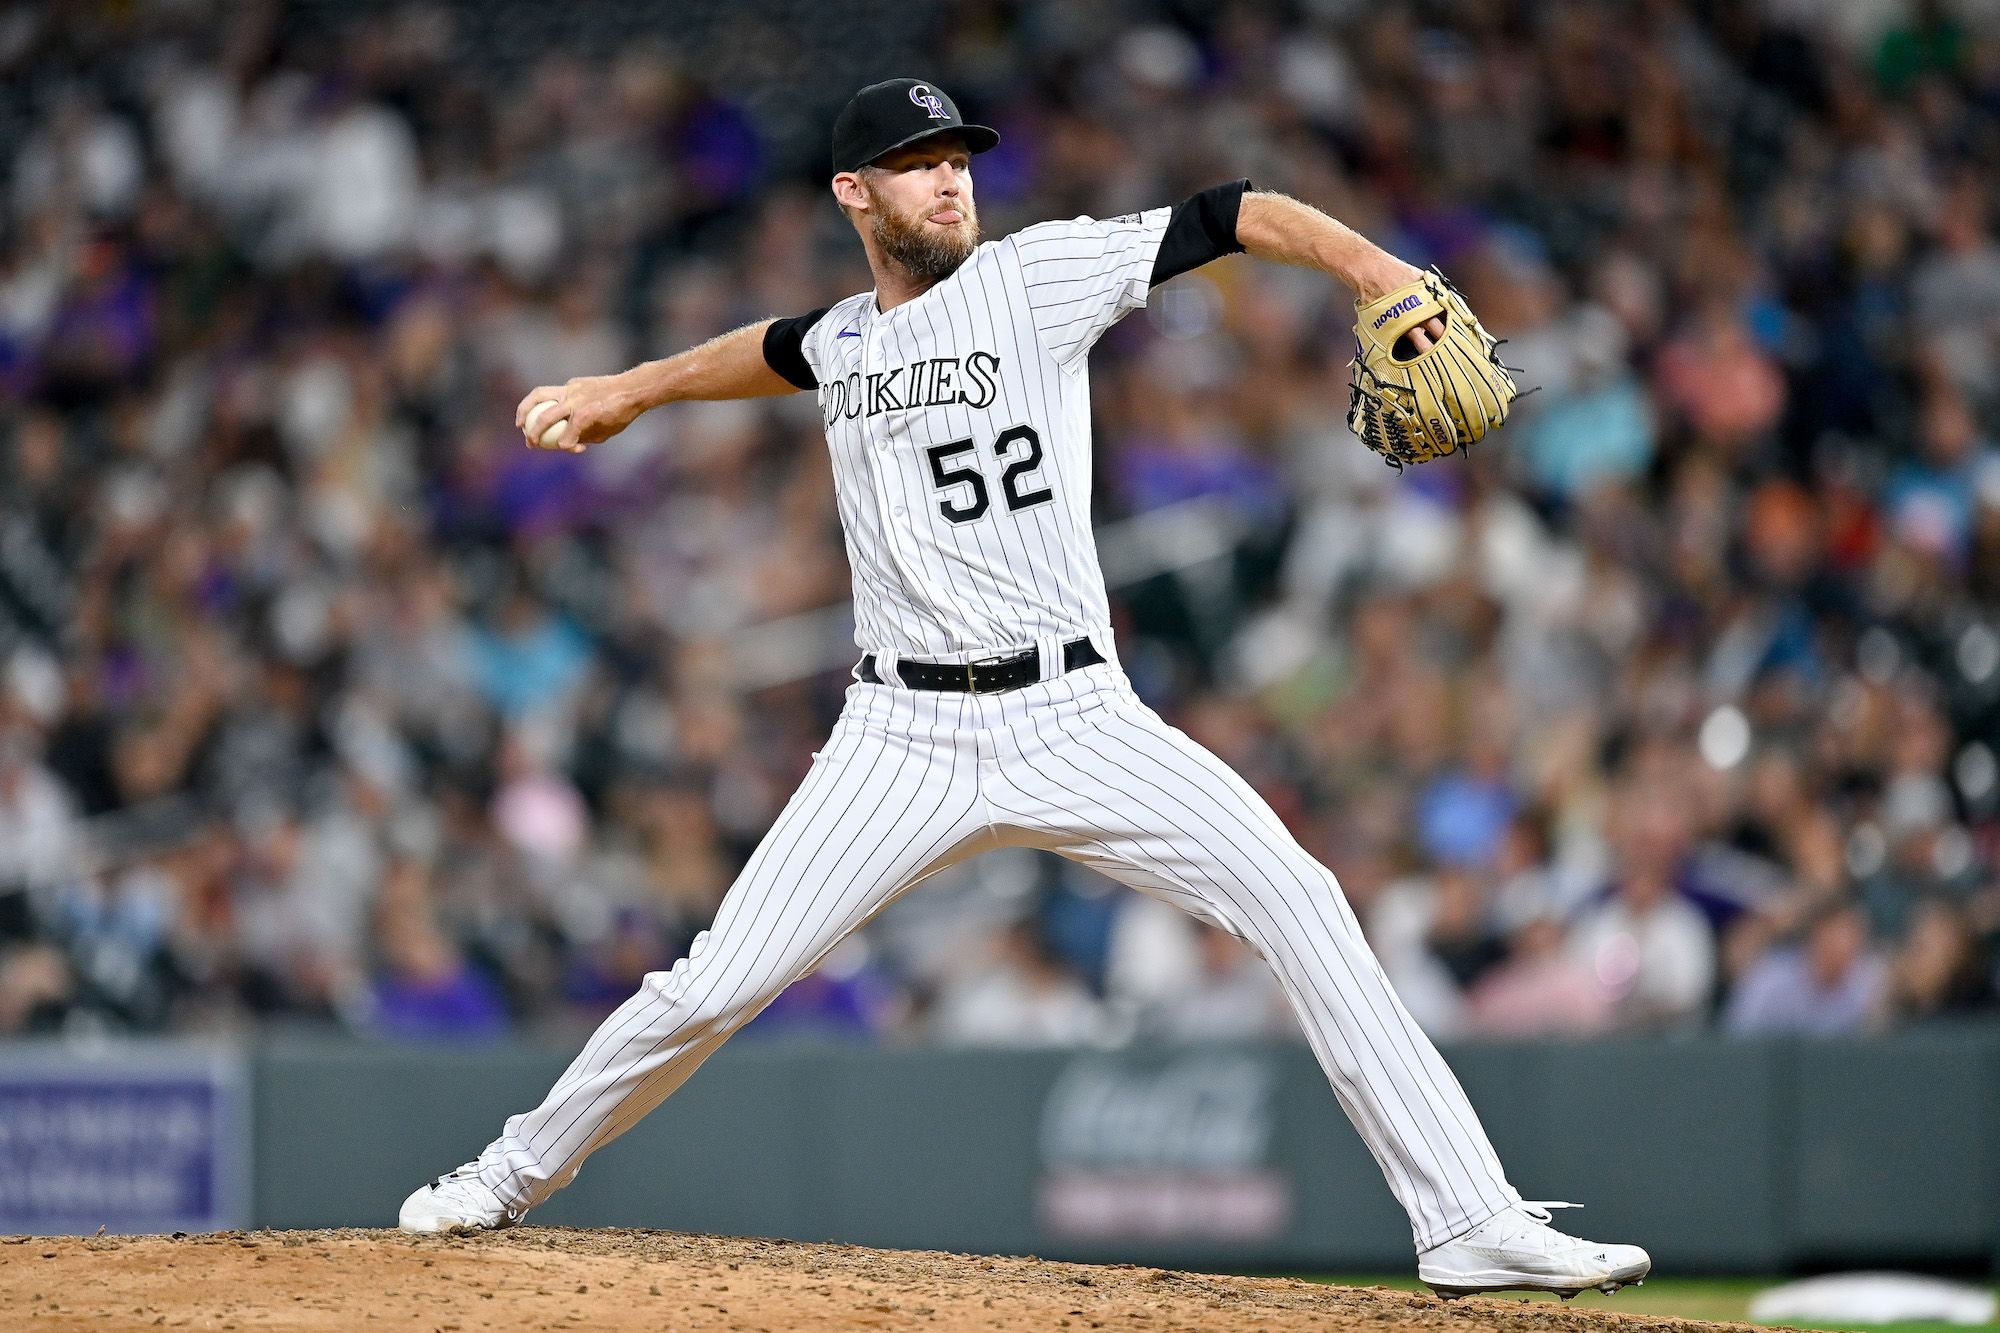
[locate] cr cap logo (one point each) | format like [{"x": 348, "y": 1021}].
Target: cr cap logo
[
  {"x": 929, "y": 101},
  {"x": 1407, "y": 303}
]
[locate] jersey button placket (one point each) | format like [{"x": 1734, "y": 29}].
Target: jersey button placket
[{"x": 869, "y": 361}]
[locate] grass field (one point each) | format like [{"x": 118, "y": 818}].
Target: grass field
[{"x": 1681, "y": 1298}]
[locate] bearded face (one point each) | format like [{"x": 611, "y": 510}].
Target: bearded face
[{"x": 924, "y": 248}]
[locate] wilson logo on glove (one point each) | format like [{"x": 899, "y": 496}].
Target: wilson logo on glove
[{"x": 1406, "y": 304}]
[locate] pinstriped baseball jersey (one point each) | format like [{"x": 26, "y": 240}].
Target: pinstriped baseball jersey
[{"x": 959, "y": 427}]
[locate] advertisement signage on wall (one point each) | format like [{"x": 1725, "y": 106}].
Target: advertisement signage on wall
[
  {"x": 130, "y": 1139},
  {"x": 1173, "y": 1151}
]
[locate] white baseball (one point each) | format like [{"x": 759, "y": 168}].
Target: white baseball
[{"x": 554, "y": 433}]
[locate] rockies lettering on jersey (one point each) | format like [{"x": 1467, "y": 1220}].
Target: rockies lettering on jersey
[{"x": 939, "y": 381}]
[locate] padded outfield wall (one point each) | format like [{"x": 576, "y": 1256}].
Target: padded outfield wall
[{"x": 1720, "y": 1156}]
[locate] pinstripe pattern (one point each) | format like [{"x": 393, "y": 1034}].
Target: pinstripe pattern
[
  {"x": 1037, "y": 301},
  {"x": 911, "y": 782},
  {"x": 888, "y": 802},
  {"x": 1076, "y": 765}
]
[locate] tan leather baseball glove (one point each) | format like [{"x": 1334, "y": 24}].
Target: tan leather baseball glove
[{"x": 1411, "y": 406}]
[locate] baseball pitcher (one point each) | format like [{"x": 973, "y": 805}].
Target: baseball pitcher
[{"x": 988, "y": 707}]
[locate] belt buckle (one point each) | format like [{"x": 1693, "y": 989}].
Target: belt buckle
[{"x": 972, "y": 678}]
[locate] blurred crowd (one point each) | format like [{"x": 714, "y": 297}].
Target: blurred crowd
[{"x": 324, "y": 702}]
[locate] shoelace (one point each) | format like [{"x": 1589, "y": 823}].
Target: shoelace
[
  {"x": 468, "y": 1171},
  {"x": 1540, "y": 1211}
]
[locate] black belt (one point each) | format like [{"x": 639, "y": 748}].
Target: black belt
[{"x": 988, "y": 677}]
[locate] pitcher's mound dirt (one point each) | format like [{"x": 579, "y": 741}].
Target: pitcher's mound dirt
[{"x": 552, "y": 1278}]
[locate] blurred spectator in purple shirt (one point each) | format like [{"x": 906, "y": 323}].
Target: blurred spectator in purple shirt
[
  {"x": 426, "y": 989},
  {"x": 1829, "y": 985},
  {"x": 102, "y": 333}
]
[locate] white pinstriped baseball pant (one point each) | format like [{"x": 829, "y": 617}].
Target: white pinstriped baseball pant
[{"x": 914, "y": 781}]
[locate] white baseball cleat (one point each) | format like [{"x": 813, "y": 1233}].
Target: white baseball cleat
[
  {"x": 1517, "y": 1250},
  {"x": 456, "y": 1202}
]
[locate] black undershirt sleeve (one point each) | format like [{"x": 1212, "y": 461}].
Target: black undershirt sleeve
[
  {"x": 784, "y": 347},
  {"x": 1202, "y": 228}
]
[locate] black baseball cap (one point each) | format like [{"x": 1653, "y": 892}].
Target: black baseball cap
[{"x": 884, "y": 116}]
